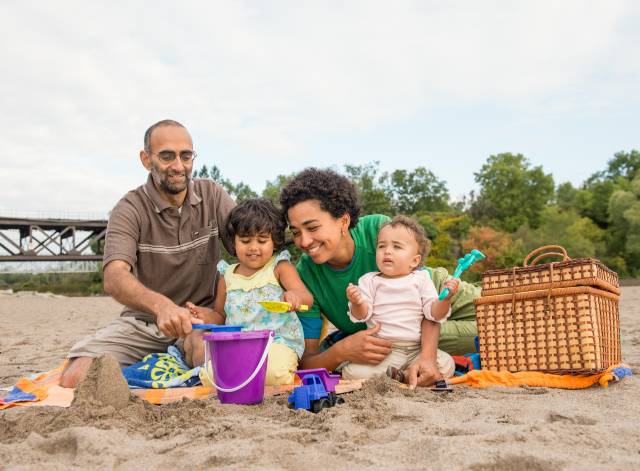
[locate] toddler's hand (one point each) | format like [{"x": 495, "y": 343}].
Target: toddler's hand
[
  {"x": 453, "y": 284},
  {"x": 293, "y": 299},
  {"x": 354, "y": 295},
  {"x": 199, "y": 312}
]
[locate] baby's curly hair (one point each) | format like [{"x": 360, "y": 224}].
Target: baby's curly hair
[
  {"x": 336, "y": 193},
  {"x": 257, "y": 216},
  {"x": 424, "y": 244}
]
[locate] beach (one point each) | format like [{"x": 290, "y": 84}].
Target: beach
[{"x": 380, "y": 426}]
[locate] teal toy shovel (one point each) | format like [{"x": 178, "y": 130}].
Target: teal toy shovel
[{"x": 463, "y": 264}]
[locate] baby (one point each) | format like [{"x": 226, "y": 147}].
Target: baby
[{"x": 399, "y": 297}]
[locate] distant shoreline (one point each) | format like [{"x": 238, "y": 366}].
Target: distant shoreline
[{"x": 630, "y": 282}]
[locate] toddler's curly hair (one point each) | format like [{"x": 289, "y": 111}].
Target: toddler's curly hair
[{"x": 257, "y": 216}]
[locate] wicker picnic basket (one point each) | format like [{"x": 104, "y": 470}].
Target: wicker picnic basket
[{"x": 550, "y": 319}]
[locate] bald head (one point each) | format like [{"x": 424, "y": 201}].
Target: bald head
[{"x": 149, "y": 132}]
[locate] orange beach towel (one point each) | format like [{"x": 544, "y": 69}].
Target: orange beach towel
[
  {"x": 45, "y": 390},
  {"x": 485, "y": 379}
]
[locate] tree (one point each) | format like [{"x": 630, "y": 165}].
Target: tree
[
  {"x": 213, "y": 174},
  {"x": 512, "y": 192},
  {"x": 242, "y": 192},
  {"x": 239, "y": 192},
  {"x": 416, "y": 190},
  {"x": 500, "y": 248},
  {"x": 272, "y": 188},
  {"x": 599, "y": 187},
  {"x": 446, "y": 231},
  {"x": 375, "y": 199},
  {"x": 623, "y": 165},
  {"x": 567, "y": 196},
  {"x": 580, "y": 236},
  {"x": 624, "y": 218},
  {"x": 202, "y": 173}
]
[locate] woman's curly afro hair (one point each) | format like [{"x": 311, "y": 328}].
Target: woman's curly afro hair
[{"x": 336, "y": 193}]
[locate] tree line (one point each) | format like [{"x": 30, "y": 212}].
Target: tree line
[{"x": 517, "y": 208}]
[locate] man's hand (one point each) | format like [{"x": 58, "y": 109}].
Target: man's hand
[
  {"x": 423, "y": 372},
  {"x": 354, "y": 295},
  {"x": 362, "y": 347},
  {"x": 174, "y": 321}
]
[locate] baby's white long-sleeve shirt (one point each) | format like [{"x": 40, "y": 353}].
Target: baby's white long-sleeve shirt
[{"x": 399, "y": 304}]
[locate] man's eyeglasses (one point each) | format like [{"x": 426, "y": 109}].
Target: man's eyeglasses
[{"x": 168, "y": 156}]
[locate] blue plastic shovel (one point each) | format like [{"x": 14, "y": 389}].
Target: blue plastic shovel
[{"x": 217, "y": 327}]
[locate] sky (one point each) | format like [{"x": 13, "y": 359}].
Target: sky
[{"x": 269, "y": 88}]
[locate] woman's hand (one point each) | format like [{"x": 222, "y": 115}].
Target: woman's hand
[{"x": 362, "y": 347}]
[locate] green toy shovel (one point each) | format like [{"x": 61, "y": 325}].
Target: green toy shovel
[{"x": 463, "y": 264}]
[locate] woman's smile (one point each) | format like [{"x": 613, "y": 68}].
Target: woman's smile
[{"x": 323, "y": 237}]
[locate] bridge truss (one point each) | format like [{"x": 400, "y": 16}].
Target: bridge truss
[{"x": 51, "y": 240}]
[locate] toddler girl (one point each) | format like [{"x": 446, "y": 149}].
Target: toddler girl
[
  {"x": 257, "y": 228},
  {"x": 399, "y": 297}
]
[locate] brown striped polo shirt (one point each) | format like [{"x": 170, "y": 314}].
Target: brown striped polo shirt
[{"x": 172, "y": 252}]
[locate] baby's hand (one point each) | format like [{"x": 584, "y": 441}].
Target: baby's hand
[
  {"x": 453, "y": 284},
  {"x": 354, "y": 295},
  {"x": 293, "y": 299}
]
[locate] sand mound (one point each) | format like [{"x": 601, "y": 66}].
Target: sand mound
[{"x": 103, "y": 386}]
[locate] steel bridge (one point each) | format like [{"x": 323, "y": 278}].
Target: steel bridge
[{"x": 51, "y": 240}]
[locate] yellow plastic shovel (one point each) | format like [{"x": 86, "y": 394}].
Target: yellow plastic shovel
[{"x": 280, "y": 306}]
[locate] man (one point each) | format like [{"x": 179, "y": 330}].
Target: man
[{"x": 161, "y": 250}]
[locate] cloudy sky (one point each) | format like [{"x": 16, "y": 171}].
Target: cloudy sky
[{"x": 268, "y": 88}]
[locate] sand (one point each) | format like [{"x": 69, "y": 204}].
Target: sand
[
  {"x": 379, "y": 426},
  {"x": 104, "y": 386}
]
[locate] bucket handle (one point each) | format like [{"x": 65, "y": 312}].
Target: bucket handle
[{"x": 249, "y": 379}]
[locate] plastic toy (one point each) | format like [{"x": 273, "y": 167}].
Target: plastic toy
[
  {"x": 318, "y": 390},
  {"x": 463, "y": 264},
  {"x": 280, "y": 306},
  {"x": 217, "y": 327},
  {"x": 465, "y": 363}
]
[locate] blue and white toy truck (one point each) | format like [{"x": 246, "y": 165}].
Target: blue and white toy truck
[{"x": 318, "y": 390}]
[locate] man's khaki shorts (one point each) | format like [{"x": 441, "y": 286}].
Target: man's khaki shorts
[{"x": 126, "y": 338}]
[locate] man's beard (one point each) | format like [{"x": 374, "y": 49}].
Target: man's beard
[{"x": 162, "y": 180}]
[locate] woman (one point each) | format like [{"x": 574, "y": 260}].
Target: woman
[{"x": 323, "y": 211}]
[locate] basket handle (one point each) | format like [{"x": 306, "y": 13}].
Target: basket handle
[{"x": 543, "y": 252}]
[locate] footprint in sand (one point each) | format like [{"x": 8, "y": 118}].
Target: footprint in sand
[
  {"x": 64, "y": 443},
  {"x": 509, "y": 463},
  {"x": 577, "y": 420}
]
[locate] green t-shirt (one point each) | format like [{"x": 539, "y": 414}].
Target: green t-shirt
[{"x": 328, "y": 285}]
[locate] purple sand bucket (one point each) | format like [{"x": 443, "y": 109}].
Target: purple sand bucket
[{"x": 239, "y": 363}]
